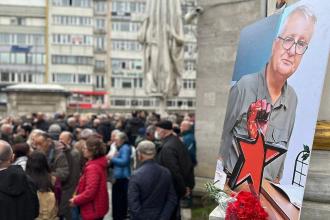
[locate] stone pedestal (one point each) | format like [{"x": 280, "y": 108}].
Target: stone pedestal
[
  {"x": 26, "y": 98},
  {"x": 316, "y": 203}
]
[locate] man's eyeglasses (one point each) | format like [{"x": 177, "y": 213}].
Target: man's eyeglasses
[{"x": 300, "y": 46}]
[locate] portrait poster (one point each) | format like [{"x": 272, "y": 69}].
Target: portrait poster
[{"x": 276, "y": 90}]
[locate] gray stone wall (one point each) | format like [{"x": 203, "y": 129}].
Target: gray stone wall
[
  {"x": 218, "y": 35},
  {"x": 20, "y": 103}
]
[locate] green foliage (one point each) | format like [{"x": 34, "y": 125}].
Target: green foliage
[{"x": 306, "y": 153}]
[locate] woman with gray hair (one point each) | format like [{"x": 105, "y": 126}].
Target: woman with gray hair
[{"x": 121, "y": 173}]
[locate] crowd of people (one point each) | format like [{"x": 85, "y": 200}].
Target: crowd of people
[{"x": 60, "y": 167}]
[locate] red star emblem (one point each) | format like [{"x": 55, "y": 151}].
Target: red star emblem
[{"x": 255, "y": 154}]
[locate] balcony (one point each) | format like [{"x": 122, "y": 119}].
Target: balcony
[
  {"x": 99, "y": 31},
  {"x": 99, "y": 69}
]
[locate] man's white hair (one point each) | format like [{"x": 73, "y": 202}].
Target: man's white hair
[{"x": 303, "y": 10}]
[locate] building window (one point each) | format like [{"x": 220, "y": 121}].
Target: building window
[
  {"x": 125, "y": 26},
  {"x": 125, "y": 45},
  {"x": 5, "y": 58},
  {"x": 64, "y": 78},
  {"x": 22, "y": 39},
  {"x": 72, "y": 39},
  {"x": 71, "y": 78},
  {"x": 126, "y": 84},
  {"x": 189, "y": 84},
  {"x": 128, "y": 7},
  {"x": 100, "y": 7},
  {"x": 190, "y": 65},
  {"x": 126, "y": 64},
  {"x": 17, "y": 77},
  {"x": 100, "y": 81},
  {"x": 120, "y": 82},
  {"x": 119, "y": 102},
  {"x": 99, "y": 23},
  {"x": 74, "y": 3},
  {"x": 100, "y": 43},
  {"x": 72, "y": 60},
  {"x": 99, "y": 64},
  {"x": 147, "y": 103},
  {"x": 82, "y": 79},
  {"x": 4, "y": 76},
  {"x": 72, "y": 20},
  {"x": 22, "y": 58}
]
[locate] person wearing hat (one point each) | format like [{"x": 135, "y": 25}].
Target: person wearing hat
[
  {"x": 151, "y": 193},
  {"x": 174, "y": 156}
]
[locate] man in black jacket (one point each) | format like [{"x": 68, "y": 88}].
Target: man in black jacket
[
  {"x": 174, "y": 156},
  {"x": 151, "y": 193},
  {"x": 18, "y": 195}
]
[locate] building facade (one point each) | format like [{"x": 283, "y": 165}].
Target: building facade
[
  {"x": 22, "y": 45},
  {"x": 127, "y": 81},
  {"x": 78, "y": 55},
  {"x": 90, "y": 48}
]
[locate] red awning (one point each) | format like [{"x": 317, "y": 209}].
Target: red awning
[
  {"x": 80, "y": 105},
  {"x": 93, "y": 93}
]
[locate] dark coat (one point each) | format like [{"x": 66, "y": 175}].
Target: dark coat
[
  {"x": 42, "y": 125},
  {"x": 58, "y": 163},
  {"x": 105, "y": 129},
  {"x": 174, "y": 156},
  {"x": 132, "y": 129},
  {"x": 151, "y": 194},
  {"x": 68, "y": 187},
  {"x": 18, "y": 195}
]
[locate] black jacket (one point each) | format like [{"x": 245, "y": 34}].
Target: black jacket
[
  {"x": 18, "y": 195},
  {"x": 105, "y": 129},
  {"x": 132, "y": 129},
  {"x": 151, "y": 194},
  {"x": 174, "y": 156}
]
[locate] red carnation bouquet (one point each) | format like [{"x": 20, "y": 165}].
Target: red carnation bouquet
[{"x": 246, "y": 207}]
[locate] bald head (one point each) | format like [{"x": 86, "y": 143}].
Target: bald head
[
  {"x": 71, "y": 122},
  {"x": 185, "y": 126},
  {"x": 6, "y": 129},
  {"x": 66, "y": 137},
  {"x": 6, "y": 154}
]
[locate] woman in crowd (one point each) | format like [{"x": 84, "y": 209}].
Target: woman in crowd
[
  {"x": 37, "y": 168},
  {"x": 21, "y": 152},
  {"x": 121, "y": 173},
  {"x": 91, "y": 193}
]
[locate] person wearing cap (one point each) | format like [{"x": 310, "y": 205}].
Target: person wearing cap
[
  {"x": 151, "y": 193},
  {"x": 174, "y": 156}
]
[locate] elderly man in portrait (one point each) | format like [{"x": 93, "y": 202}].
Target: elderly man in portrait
[{"x": 264, "y": 101}]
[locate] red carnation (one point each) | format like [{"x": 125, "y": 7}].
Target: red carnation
[{"x": 246, "y": 207}]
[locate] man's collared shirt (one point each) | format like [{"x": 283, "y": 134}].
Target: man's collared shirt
[{"x": 247, "y": 90}]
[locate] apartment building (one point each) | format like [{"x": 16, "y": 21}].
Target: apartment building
[
  {"x": 89, "y": 47},
  {"x": 78, "y": 50},
  {"x": 22, "y": 44},
  {"x": 127, "y": 86}
]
